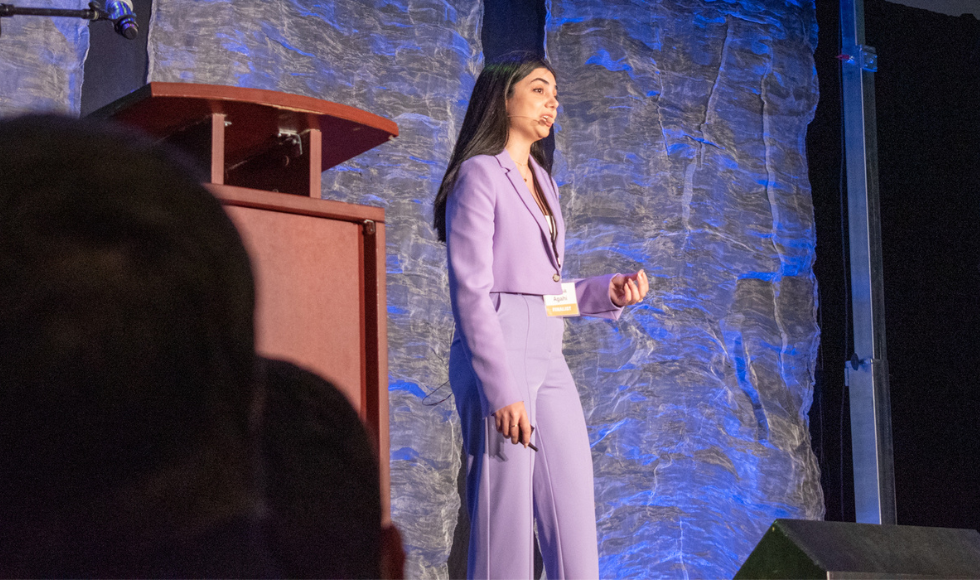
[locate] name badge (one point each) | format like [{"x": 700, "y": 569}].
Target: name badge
[{"x": 564, "y": 304}]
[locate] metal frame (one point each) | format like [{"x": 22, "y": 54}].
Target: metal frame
[{"x": 871, "y": 433}]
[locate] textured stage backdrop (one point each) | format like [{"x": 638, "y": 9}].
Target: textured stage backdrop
[
  {"x": 680, "y": 150},
  {"x": 41, "y": 61}
]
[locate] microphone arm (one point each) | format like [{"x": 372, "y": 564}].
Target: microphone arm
[{"x": 94, "y": 12}]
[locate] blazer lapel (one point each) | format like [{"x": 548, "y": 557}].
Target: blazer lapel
[
  {"x": 514, "y": 175},
  {"x": 550, "y": 192}
]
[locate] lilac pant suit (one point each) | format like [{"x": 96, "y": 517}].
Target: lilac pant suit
[{"x": 506, "y": 349}]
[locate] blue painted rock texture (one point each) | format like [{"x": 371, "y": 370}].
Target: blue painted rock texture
[
  {"x": 415, "y": 62},
  {"x": 681, "y": 150},
  {"x": 41, "y": 61}
]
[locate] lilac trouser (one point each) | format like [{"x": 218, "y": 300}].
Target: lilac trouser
[{"x": 508, "y": 486}]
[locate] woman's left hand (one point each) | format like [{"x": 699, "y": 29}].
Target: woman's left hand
[{"x": 629, "y": 288}]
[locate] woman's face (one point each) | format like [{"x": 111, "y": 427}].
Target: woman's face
[{"x": 532, "y": 108}]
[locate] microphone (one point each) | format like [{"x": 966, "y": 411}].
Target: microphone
[
  {"x": 121, "y": 14},
  {"x": 541, "y": 118}
]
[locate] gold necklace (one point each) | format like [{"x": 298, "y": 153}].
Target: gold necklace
[
  {"x": 534, "y": 190},
  {"x": 525, "y": 168}
]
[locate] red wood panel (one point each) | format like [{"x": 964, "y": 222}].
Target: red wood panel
[
  {"x": 376, "y": 316},
  {"x": 217, "y": 149},
  {"x": 308, "y": 300},
  {"x": 320, "y": 276},
  {"x": 296, "y": 204},
  {"x": 253, "y": 117}
]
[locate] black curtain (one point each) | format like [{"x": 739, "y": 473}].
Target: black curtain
[
  {"x": 927, "y": 93},
  {"x": 115, "y": 66}
]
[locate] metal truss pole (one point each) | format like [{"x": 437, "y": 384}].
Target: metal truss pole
[{"x": 867, "y": 372}]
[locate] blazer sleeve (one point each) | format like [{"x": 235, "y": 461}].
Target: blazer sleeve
[
  {"x": 469, "y": 243},
  {"x": 593, "y": 297}
]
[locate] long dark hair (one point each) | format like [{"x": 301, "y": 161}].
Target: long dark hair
[{"x": 485, "y": 126}]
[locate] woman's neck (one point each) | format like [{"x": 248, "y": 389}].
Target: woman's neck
[{"x": 519, "y": 151}]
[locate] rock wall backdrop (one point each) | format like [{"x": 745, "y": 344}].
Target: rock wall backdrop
[
  {"x": 680, "y": 150},
  {"x": 41, "y": 61}
]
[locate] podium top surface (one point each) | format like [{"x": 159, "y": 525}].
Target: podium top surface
[{"x": 251, "y": 115}]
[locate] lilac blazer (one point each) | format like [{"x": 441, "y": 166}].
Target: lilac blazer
[{"x": 498, "y": 241}]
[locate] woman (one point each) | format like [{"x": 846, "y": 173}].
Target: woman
[{"x": 498, "y": 212}]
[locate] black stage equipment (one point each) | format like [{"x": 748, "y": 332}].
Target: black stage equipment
[{"x": 832, "y": 550}]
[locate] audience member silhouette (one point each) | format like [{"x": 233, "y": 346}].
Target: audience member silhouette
[
  {"x": 126, "y": 363},
  {"x": 321, "y": 474},
  {"x": 138, "y": 440}
]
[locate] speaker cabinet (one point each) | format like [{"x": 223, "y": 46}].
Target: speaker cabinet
[{"x": 831, "y": 550}]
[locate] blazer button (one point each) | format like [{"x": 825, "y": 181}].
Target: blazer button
[{"x": 556, "y": 277}]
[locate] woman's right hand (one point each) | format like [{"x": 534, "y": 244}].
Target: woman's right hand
[
  {"x": 513, "y": 423},
  {"x": 628, "y": 289}
]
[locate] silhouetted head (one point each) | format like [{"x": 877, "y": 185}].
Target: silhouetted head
[
  {"x": 321, "y": 471},
  {"x": 126, "y": 342}
]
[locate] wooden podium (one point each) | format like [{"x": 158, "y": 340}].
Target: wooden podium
[{"x": 319, "y": 265}]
